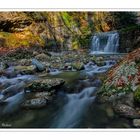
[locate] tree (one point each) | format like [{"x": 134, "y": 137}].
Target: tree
[{"x": 124, "y": 19}]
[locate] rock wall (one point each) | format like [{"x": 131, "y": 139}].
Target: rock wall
[
  {"x": 59, "y": 30},
  {"x": 129, "y": 39}
]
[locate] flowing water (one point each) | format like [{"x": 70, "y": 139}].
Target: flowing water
[
  {"x": 72, "y": 108},
  {"x": 105, "y": 43},
  {"x": 75, "y": 105}
]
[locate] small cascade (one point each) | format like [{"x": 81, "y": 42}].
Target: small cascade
[
  {"x": 70, "y": 115},
  {"x": 91, "y": 68},
  {"x": 104, "y": 43},
  {"x": 12, "y": 93}
]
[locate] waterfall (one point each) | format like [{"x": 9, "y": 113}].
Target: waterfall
[
  {"x": 107, "y": 42},
  {"x": 69, "y": 116}
]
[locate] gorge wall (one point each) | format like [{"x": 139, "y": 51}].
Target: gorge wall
[{"x": 61, "y": 30}]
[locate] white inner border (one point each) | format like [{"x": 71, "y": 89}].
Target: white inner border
[{"x": 67, "y": 5}]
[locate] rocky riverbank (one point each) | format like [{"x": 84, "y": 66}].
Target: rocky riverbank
[
  {"x": 25, "y": 71},
  {"x": 30, "y": 80},
  {"x": 121, "y": 88}
]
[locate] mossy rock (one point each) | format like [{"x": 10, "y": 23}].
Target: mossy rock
[
  {"x": 41, "y": 85},
  {"x": 93, "y": 58},
  {"x": 137, "y": 95},
  {"x": 100, "y": 63},
  {"x": 26, "y": 69},
  {"x": 78, "y": 65}
]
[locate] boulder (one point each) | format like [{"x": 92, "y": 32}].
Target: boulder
[
  {"x": 78, "y": 65},
  {"x": 42, "y": 57},
  {"x": 35, "y": 103},
  {"x": 40, "y": 67},
  {"x": 25, "y": 69},
  {"x": 136, "y": 123},
  {"x": 100, "y": 63},
  {"x": 47, "y": 95},
  {"x": 24, "y": 62},
  {"x": 45, "y": 84},
  {"x": 126, "y": 111}
]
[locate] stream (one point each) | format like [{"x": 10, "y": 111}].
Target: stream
[{"x": 74, "y": 106}]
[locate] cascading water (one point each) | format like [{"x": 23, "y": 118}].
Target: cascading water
[
  {"x": 107, "y": 42},
  {"x": 75, "y": 107}
]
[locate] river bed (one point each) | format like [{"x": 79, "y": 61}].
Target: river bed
[{"x": 74, "y": 106}]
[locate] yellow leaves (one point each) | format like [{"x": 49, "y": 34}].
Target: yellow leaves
[{"x": 75, "y": 45}]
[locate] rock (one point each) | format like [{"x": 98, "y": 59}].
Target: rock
[
  {"x": 136, "y": 123},
  {"x": 35, "y": 103},
  {"x": 99, "y": 59},
  {"x": 45, "y": 84},
  {"x": 40, "y": 67},
  {"x": 35, "y": 53},
  {"x": 93, "y": 58},
  {"x": 42, "y": 57},
  {"x": 67, "y": 66},
  {"x": 100, "y": 63},
  {"x": 47, "y": 95},
  {"x": 24, "y": 62},
  {"x": 126, "y": 111},
  {"x": 110, "y": 112},
  {"x": 78, "y": 65},
  {"x": 25, "y": 69}
]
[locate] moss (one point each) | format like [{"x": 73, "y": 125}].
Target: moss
[
  {"x": 25, "y": 38},
  {"x": 78, "y": 65},
  {"x": 130, "y": 28},
  {"x": 137, "y": 95}
]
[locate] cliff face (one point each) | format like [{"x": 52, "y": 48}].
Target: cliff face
[
  {"x": 55, "y": 30},
  {"x": 129, "y": 39},
  {"x": 16, "y": 30},
  {"x": 50, "y": 29}
]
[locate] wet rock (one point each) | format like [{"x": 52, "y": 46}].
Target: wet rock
[
  {"x": 35, "y": 103},
  {"x": 136, "y": 123},
  {"x": 40, "y": 67},
  {"x": 126, "y": 111},
  {"x": 24, "y": 62},
  {"x": 99, "y": 59},
  {"x": 35, "y": 53},
  {"x": 78, "y": 65},
  {"x": 45, "y": 84},
  {"x": 110, "y": 112},
  {"x": 93, "y": 58},
  {"x": 100, "y": 63},
  {"x": 42, "y": 57},
  {"x": 47, "y": 95},
  {"x": 67, "y": 66},
  {"x": 25, "y": 69}
]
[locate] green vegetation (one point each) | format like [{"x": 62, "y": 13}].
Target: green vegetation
[{"x": 137, "y": 95}]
